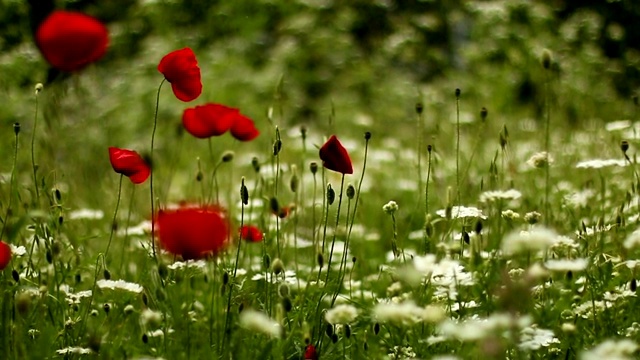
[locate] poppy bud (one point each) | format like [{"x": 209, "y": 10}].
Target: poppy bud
[
  {"x": 478, "y": 226},
  {"x": 546, "y": 59},
  {"x": 266, "y": 261},
  {"x": 376, "y": 328},
  {"x": 465, "y": 237},
  {"x": 277, "y": 266},
  {"x": 320, "y": 260},
  {"x": 106, "y": 274},
  {"x": 145, "y": 338},
  {"x": 483, "y": 114},
  {"x": 145, "y": 300},
  {"x": 351, "y": 191},
  {"x": 275, "y": 206},
  {"x": 634, "y": 285},
  {"x": 334, "y": 338},
  {"x": 283, "y": 290},
  {"x": 199, "y": 176},
  {"x": 49, "y": 256},
  {"x": 60, "y": 219},
  {"x": 331, "y": 194},
  {"x": 106, "y": 308},
  {"x": 256, "y": 164},
  {"x": 313, "y": 167},
  {"x": 15, "y": 275},
  {"x": 429, "y": 148},
  {"x": 277, "y": 146},
  {"x": 16, "y": 128},
  {"x": 56, "y": 193},
  {"x": 347, "y": 331},
  {"x": 419, "y": 108},
  {"x": 329, "y": 330},
  {"x": 228, "y": 156},
  {"x": 458, "y": 92},
  {"x": 225, "y": 278},
  {"x": 293, "y": 183},
  {"x": 244, "y": 193},
  {"x": 287, "y": 305},
  {"x": 367, "y": 135},
  {"x": 303, "y": 132},
  {"x": 624, "y": 146},
  {"x": 38, "y": 88}
]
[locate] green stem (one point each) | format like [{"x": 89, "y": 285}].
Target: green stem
[
  {"x": 115, "y": 214},
  {"x": 153, "y": 137}
]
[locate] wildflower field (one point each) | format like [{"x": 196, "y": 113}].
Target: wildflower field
[{"x": 319, "y": 180}]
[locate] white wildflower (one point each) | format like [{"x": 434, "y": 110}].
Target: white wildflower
[
  {"x": 17, "y": 250},
  {"x": 86, "y": 214},
  {"x": 198, "y": 264},
  {"x": 600, "y": 163},
  {"x": 120, "y": 285},
  {"x": 617, "y": 125},
  {"x": 633, "y": 240},
  {"x": 540, "y": 160},
  {"x": 491, "y": 196},
  {"x": 611, "y": 350},
  {"x": 461, "y": 212},
  {"x": 510, "y": 215},
  {"x": 74, "y": 350},
  {"x": 257, "y": 321},
  {"x": 405, "y": 313},
  {"x": 341, "y": 314},
  {"x": 390, "y": 208},
  {"x": 538, "y": 238},
  {"x": 534, "y": 338},
  {"x": 401, "y": 352},
  {"x": 150, "y": 318},
  {"x": 566, "y": 264}
]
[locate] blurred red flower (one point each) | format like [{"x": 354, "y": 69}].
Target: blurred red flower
[
  {"x": 251, "y": 233},
  {"x": 5, "y": 255},
  {"x": 192, "y": 232},
  {"x": 180, "y": 68},
  {"x": 244, "y": 129},
  {"x": 208, "y": 120},
  {"x": 335, "y": 157},
  {"x": 130, "y": 164},
  {"x": 310, "y": 353},
  {"x": 71, "y": 40}
]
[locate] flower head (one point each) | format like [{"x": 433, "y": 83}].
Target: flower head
[
  {"x": 310, "y": 353},
  {"x": 130, "y": 164},
  {"x": 251, "y": 233},
  {"x": 335, "y": 157},
  {"x": 5, "y": 255},
  {"x": 180, "y": 68},
  {"x": 243, "y": 128},
  {"x": 341, "y": 314},
  {"x": 259, "y": 322},
  {"x": 192, "y": 232},
  {"x": 209, "y": 120},
  {"x": 69, "y": 40}
]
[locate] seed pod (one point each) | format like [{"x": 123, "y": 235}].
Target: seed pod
[
  {"x": 244, "y": 193},
  {"x": 376, "y": 328},
  {"x": 16, "y": 128},
  {"x": 106, "y": 274},
  {"x": 228, "y": 156},
  {"x": 320, "y": 260},
  {"x": 458, "y": 92},
  {"x": 313, "y": 167},
  {"x": 287, "y": 305},
  {"x": 351, "y": 191},
  {"x": 419, "y": 108},
  {"x": 255, "y": 164},
  {"x": 331, "y": 194},
  {"x": 329, "y": 330},
  {"x": 367, "y": 135}
]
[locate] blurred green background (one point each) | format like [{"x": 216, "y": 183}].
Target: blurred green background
[{"x": 340, "y": 67}]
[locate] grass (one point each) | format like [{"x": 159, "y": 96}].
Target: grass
[{"x": 480, "y": 255}]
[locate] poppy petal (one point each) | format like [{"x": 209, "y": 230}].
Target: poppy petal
[
  {"x": 69, "y": 40},
  {"x": 130, "y": 164},
  {"x": 244, "y": 129},
  {"x": 180, "y": 68},
  {"x": 335, "y": 157},
  {"x": 5, "y": 255}
]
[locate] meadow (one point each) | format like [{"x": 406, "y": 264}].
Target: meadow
[{"x": 261, "y": 185}]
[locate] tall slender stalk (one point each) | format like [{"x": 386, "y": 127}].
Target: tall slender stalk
[
  {"x": 16, "y": 130},
  {"x": 335, "y": 231},
  {"x": 33, "y": 141},
  {"x": 153, "y": 137},
  {"x": 115, "y": 214}
]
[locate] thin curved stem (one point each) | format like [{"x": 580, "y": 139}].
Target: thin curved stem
[
  {"x": 115, "y": 214},
  {"x": 153, "y": 137}
]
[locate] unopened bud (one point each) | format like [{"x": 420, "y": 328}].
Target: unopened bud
[
  {"x": 277, "y": 266},
  {"x": 228, "y": 156},
  {"x": 244, "y": 193},
  {"x": 38, "y": 88},
  {"x": 16, "y": 128},
  {"x": 331, "y": 194},
  {"x": 313, "y": 167},
  {"x": 546, "y": 59},
  {"x": 256, "y": 164},
  {"x": 351, "y": 191}
]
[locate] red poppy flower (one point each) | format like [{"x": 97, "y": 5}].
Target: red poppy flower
[
  {"x": 208, "y": 120},
  {"x": 310, "y": 353},
  {"x": 180, "y": 68},
  {"x": 130, "y": 164},
  {"x": 192, "y": 232},
  {"x": 5, "y": 255},
  {"x": 335, "y": 157},
  {"x": 71, "y": 40},
  {"x": 251, "y": 233},
  {"x": 244, "y": 129}
]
